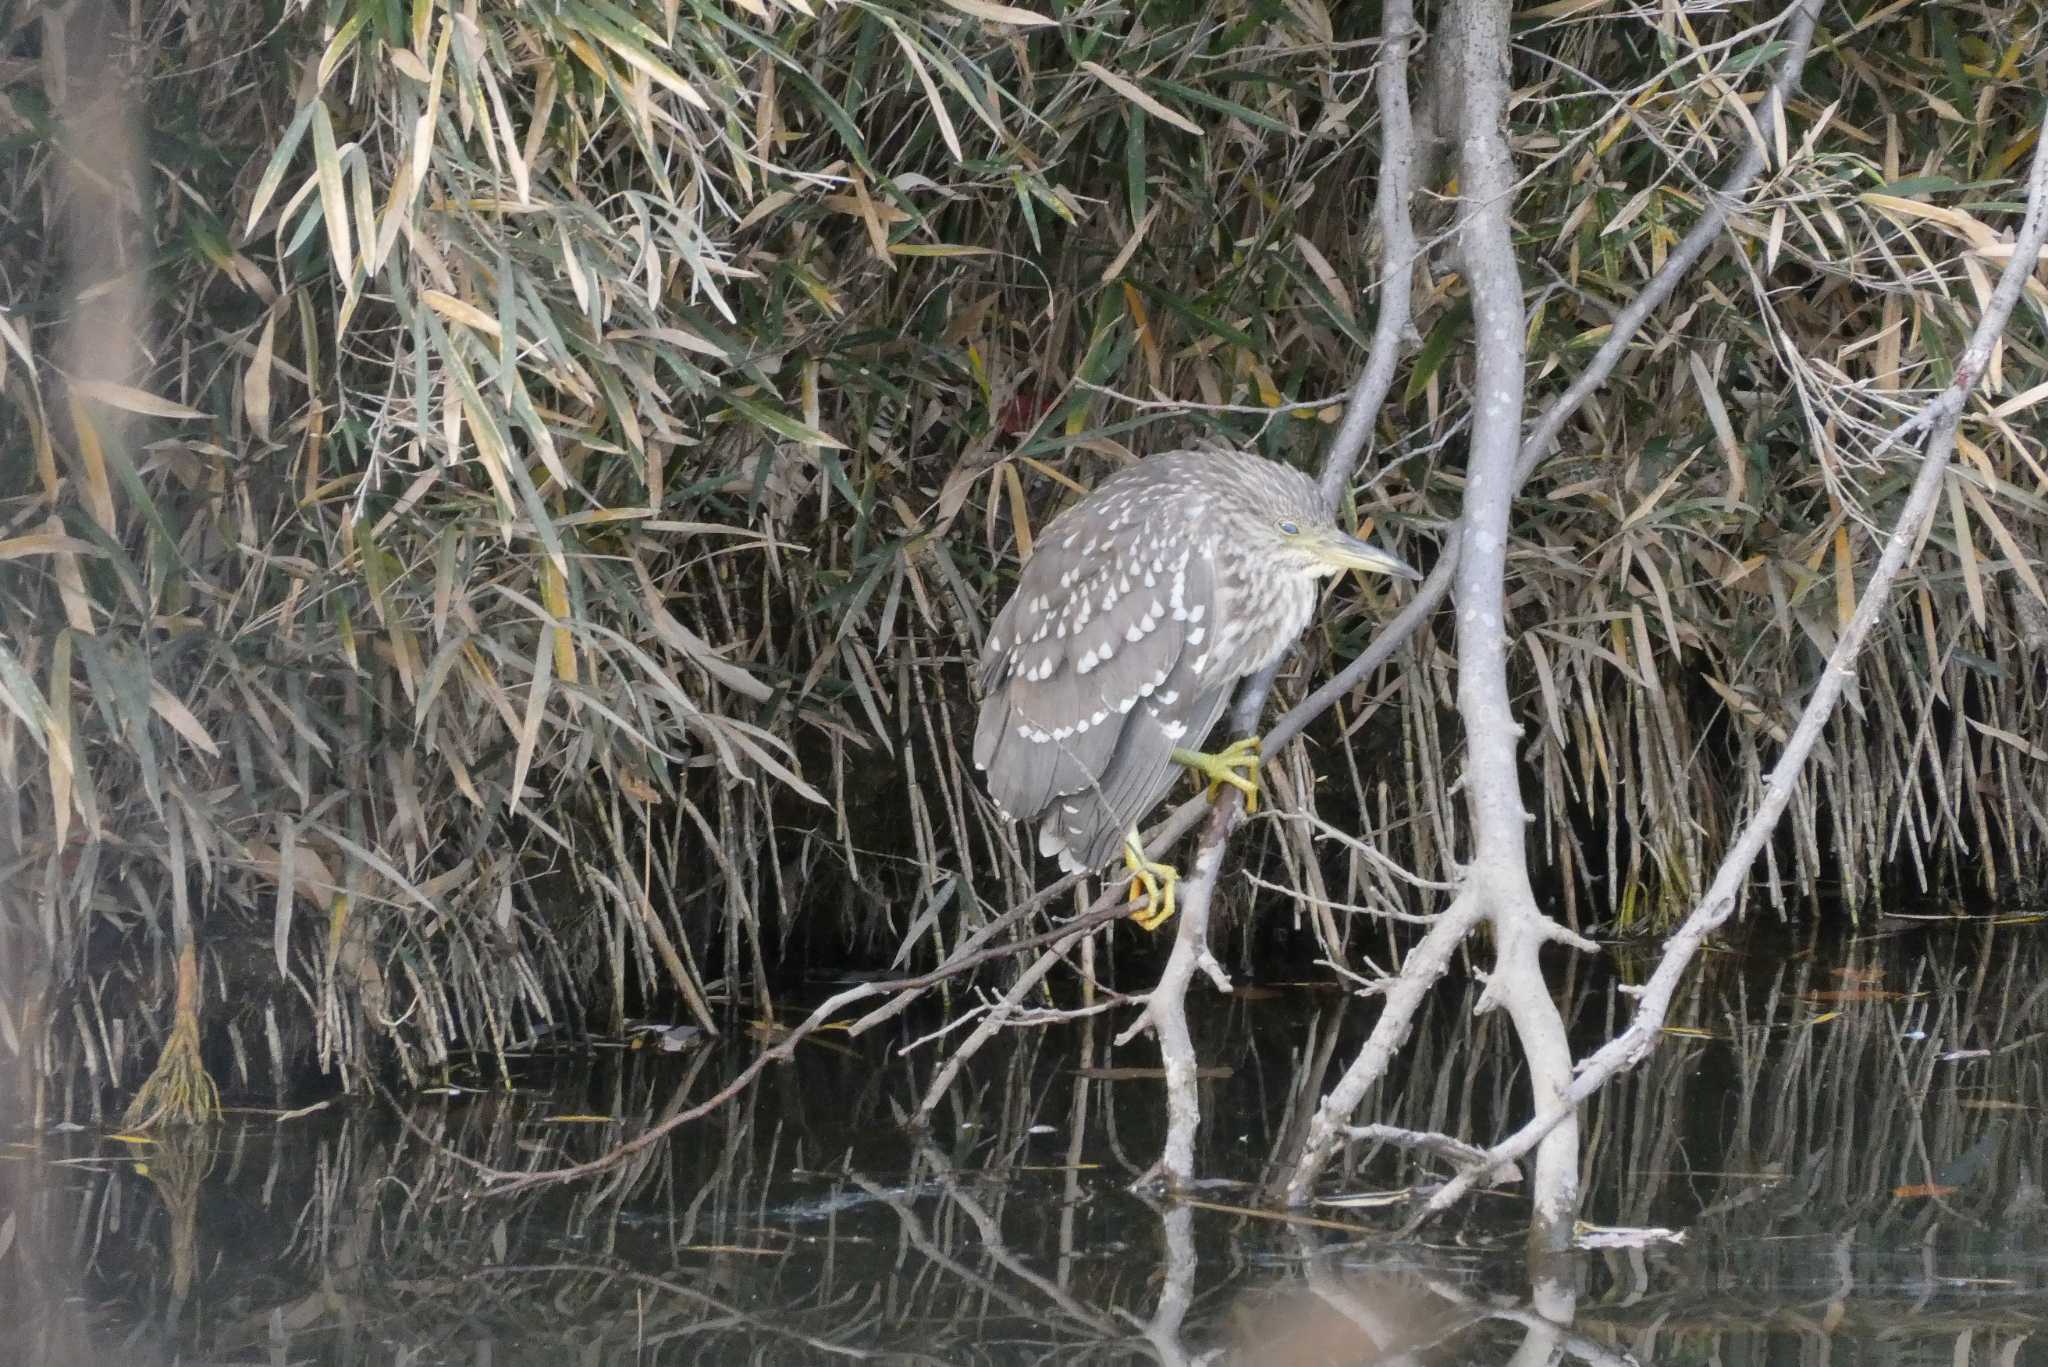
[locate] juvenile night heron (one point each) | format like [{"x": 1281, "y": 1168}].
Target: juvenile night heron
[{"x": 1141, "y": 608}]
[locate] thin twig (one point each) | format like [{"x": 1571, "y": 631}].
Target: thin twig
[
  {"x": 1442, "y": 1145},
  {"x": 993, "y": 1021},
  {"x": 1194, "y": 406},
  {"x": 1106, "y": 909}
]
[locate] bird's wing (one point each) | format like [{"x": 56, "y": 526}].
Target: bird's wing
[
  {"x": 1065, "y": 665},
  {"x": 1077, "y": 730},
  {"x": 1140, "y": 772}
]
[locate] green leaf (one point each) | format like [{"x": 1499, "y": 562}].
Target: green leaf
[
  {"x": 1204, "y": 321},
  {"x": 1436, "y": 348},
  {"x": 1135, "y": 188},
  {"x": 1222, "y": 106},
  {"x": 273, "y": 174},
  {"x": 18, "y": 690},
  {"x": 782, "y": 424}
]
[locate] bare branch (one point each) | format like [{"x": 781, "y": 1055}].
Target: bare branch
[
  {"x": 1106, "y": 908},
  {"x": 1167, "y": 1007},
  {"x": 1941, "y": 416},
  {"x": 1420, "y": 969},
  {"x": 1496, "y": 881},
  {"x": 998, "y": 1015},
  {"x": 1428, "y": 961},
  {"x": 1443, "y": 1145}
]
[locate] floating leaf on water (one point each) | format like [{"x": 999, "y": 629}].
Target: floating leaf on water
[
  {"x": 1624, "y": 1236},
  {"x": 1367, "y": 1200},
  {"x": 1055, "y": 1167},
  {"x": 1922, "y": 1191}
]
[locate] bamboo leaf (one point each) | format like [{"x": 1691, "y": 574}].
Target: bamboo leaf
[
  {"x": 287, "y": 885},
  {"x": 61, "y": 770},
  {"x": 132, "y": 400},
  {"x": 782, "y": 424},
  {"x": 1231, "y": 108},
  {"x": 333, "y": 198},
  {"x": 46, "y": 542},
  {"x": 536, "y": 713},
  {"x": 1436, "y": 348},
  {"x": 340, "y": 46},
  {"x": 457, "y": 310},
  {"x": 1001, "y": 14},
  {"x": 931, "y": 91},
  {"x": 92, "y": 459},
  {"x": 173, "y": 710},
  {"x": 280, "y": 160},
  {"x": 256, "y": 379},
  {"x": 1132, "y": 92},
  {"x": 18, "y": 690}
]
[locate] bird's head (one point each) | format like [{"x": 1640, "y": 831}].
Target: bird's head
[{"x": 1278, "y": 512}]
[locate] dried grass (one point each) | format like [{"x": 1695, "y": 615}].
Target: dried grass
[{"x": 575, "y": 449}]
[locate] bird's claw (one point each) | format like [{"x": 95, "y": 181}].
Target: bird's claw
[
  {"x": 1152, "y": 886},
  {"x": 1236, "y": 764}
]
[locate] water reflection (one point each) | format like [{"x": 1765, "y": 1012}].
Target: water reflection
[{"x": 1852, "y": 1142}]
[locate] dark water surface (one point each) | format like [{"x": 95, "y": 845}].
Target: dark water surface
[{"x": 1851, "y": 1139}]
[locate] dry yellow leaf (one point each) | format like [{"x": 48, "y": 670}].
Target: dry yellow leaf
[
  {"x": 1001, "y": 14},
  {"x": 132, "y": 399},
  {"x": 460, "y": 311},
  {"x": 1138, "y": 97}
]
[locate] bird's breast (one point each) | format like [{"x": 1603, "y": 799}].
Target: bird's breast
[{"x": 1264, "y": 614}]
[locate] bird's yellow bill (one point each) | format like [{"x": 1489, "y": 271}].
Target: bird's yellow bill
[{"x": 1349, "y": 553}]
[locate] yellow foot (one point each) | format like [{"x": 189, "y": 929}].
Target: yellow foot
[
  {"x": 1152, "y": 885},
  {"x": 1236, "y": 764}
]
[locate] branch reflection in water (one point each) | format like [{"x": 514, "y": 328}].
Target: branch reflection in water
[{"x": 1852, "y": 1145}]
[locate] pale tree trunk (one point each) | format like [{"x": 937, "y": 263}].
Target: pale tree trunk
[
  {"x": 1937, "y": 420},
  {"x": 1495, "y": 889},
  {"x": 1496, "y": 881}
]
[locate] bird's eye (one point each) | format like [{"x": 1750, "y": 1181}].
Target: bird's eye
[{"x": 1289, "y": 529}]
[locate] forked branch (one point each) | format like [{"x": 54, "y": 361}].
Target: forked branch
[
  {"x": 1940, "y": 417},
  {"x": 1431, "y": 957}
]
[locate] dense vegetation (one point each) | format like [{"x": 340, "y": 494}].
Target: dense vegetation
[{"x": 497, "y": 499}]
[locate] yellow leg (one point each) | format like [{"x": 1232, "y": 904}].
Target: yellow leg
[
  {"x": 1236, "y": 764},
  {"x": 1152, "y": 885}
]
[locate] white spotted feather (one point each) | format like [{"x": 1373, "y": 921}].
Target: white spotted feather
[{"x": 1125, "y": 637}]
